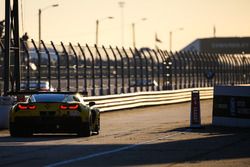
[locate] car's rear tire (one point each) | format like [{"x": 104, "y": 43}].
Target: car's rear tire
[
  {"x": 16, "y": 131},
  {"x": 85, "y": 129}
]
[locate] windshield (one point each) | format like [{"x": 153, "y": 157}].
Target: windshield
[{"x": 48, "y": 98}]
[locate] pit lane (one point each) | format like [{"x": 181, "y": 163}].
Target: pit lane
[{"x": 152, "y": 136}]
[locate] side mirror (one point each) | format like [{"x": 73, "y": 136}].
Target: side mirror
[{"x": 91, "y": 103}]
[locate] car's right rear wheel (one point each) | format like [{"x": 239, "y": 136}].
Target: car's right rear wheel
[{"x": 85, "y": 130}]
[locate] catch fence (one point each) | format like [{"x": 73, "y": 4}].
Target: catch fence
[{"x": 112, "y": 70}]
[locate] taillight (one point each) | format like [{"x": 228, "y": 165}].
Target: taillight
[
  {"x": 73, "y": 107},
  {"x": 70, "y": 107},
  {"x": 63, "y": 107},
  {"x": 32, "y": 107},
  {"x": 26, "y": 107},
  {"x": 22, "y": 107}
]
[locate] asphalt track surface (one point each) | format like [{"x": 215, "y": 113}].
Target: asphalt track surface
[{"x": 152, "y": 136}]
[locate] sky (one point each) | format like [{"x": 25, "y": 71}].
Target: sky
[{"x": 75, "y": 21}]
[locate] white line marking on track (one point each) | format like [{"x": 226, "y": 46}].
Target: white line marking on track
[{"x": 98, "y": 154}]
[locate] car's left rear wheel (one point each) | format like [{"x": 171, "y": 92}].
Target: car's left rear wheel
[{"x": 17, "y": 131}]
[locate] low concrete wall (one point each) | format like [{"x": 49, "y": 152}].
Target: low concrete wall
[
  {"x": 142, "y": 99},
  {"x": 5, "y": 104}
]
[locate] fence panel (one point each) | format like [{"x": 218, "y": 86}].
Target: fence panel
[{"x": 113, "y": 70}]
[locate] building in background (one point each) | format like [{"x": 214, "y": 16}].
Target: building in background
[{"x": 227, "y": 45}]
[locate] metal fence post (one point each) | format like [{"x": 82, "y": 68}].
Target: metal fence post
[
  {"x": 180, "y": 71},
  {"x": 109, "y": 70},
  {"x": 240, "y": 69},
  {"x": 135, "y": 69},
  {"x": 200, "y": 69},
  {"x": 204, "y": 66},
  {"x": 174, "y": 70},
  {"x": 92, "y": 71},
  {"x": 28, "y": 63},
  {"x": 77, "y": 66},
  {"x": 213, "y": 66},
  {"x": 188, "y": 71},
  {"x": 224, "y": 67},
  {"x": 228, "y": 65},
  {"x": 233, "y": 69},
  {"x": 158, "y": 69},
  {"x": 85, "y": 68},
  {"x": 146, "y": 70},
  {"x": 128, "y": 69},
  {"x": 193, "y": 68},
  {"x": 39, "y": 63},
  {"x": 184, "y": 65},
  {"x": 209, "y": 69},
  {"x": 67, "y": 66},
  {"x": 141, "y": 68},
  {"x": 101, "y": 70},
  {"x": 152, "y": 70},
  {"x": 221, "y": 68},
  {"x": 122, "y": 70},
  {"x": 116, "y": 71},
  {"x": 247, "y": 68},
  {"x": 58, "y": 67},
  {"x": 169, "y": 63},
  {"x": 163, "y": 70},
  {"x": 49, "y": 63},
  {"x": 196, "y": 70}
]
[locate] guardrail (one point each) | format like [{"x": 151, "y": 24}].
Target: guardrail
[{"x": 141, "y": 99}]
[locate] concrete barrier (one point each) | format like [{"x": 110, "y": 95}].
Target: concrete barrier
[
  {"x": 5, "y": 105},
  {"x": 231, "y": 106},
  {"x": 142, "y": 99}
]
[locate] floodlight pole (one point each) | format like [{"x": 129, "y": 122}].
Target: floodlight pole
[{"x": 7, "y": 47}]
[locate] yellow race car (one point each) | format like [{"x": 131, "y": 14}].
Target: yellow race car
[{"x": 54, "y": 113}]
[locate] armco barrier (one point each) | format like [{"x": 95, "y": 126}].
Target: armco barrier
[{"x": 140, "y": 99}]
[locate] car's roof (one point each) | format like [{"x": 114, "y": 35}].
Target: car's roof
[
  {"x": 56, "y": 97},
  {"x": 55, "y": 93}
]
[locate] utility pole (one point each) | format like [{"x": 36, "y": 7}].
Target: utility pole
[{"x": 40, "y": 22}]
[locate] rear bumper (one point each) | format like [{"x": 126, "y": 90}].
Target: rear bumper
[{"x": 48, "y": 124}]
